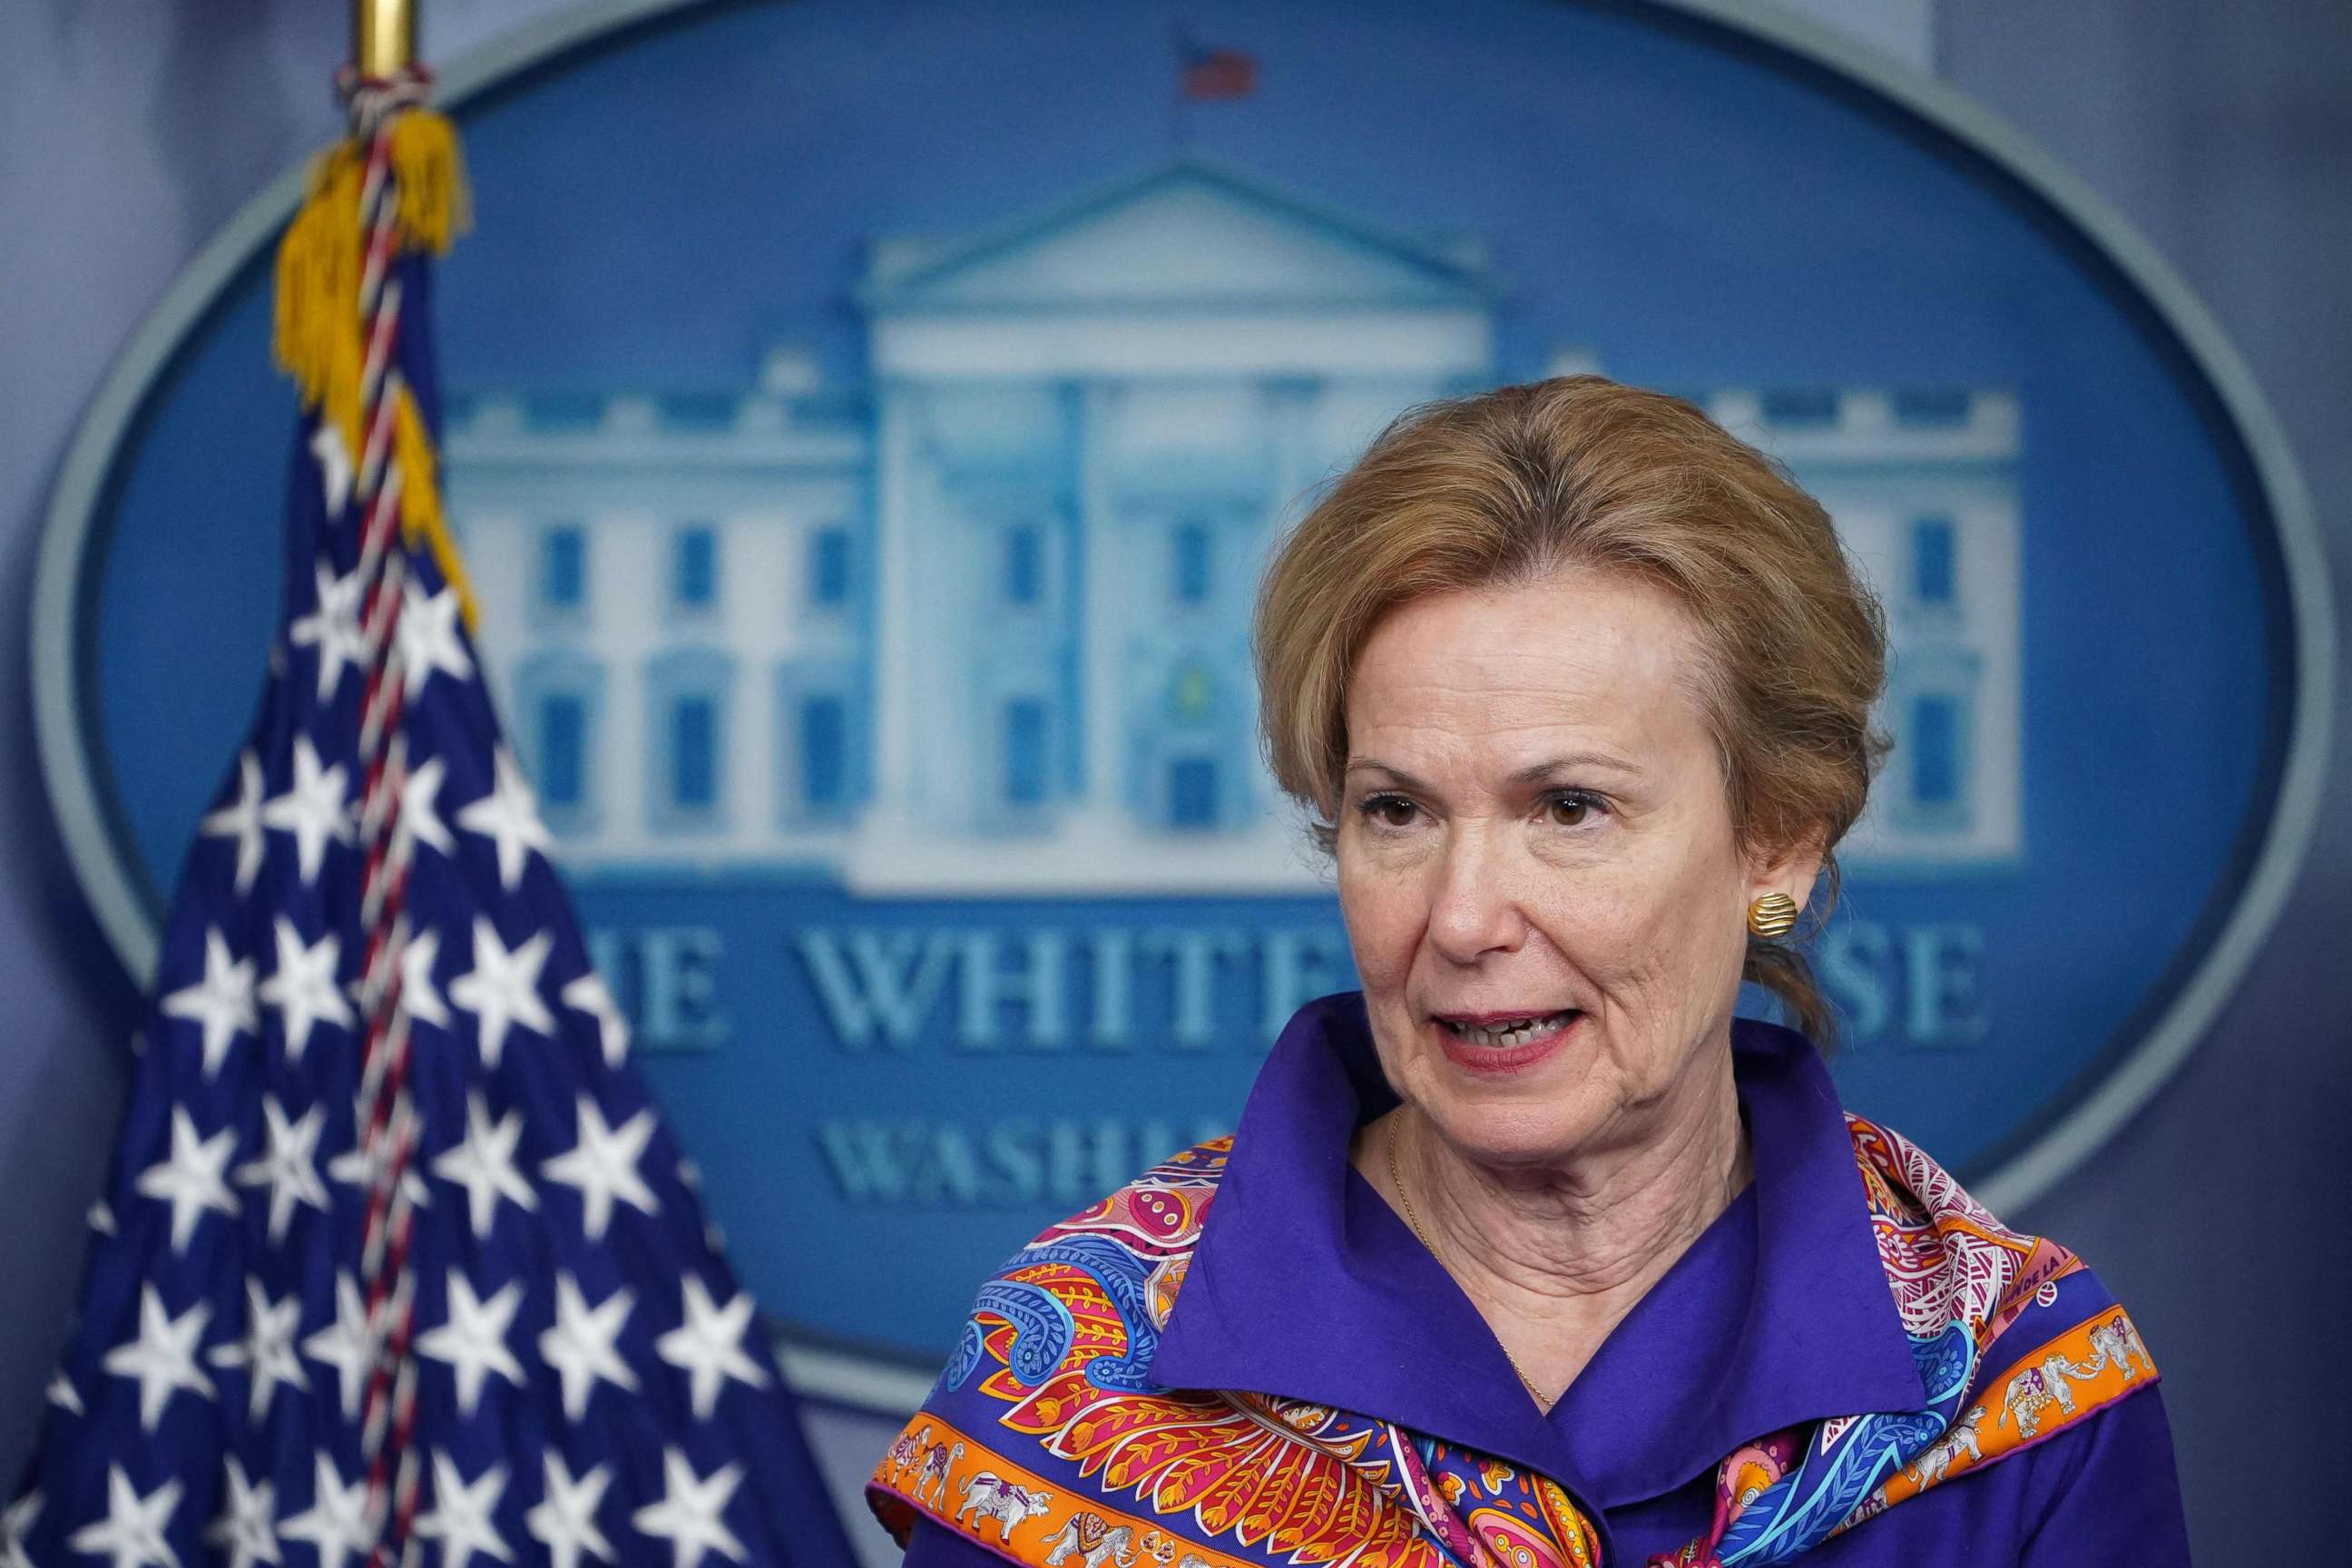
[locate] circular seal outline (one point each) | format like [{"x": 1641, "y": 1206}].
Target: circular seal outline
[{"x": 81, "y": 795}]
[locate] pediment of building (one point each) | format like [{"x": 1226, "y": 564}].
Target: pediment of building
[{"x": 1189, "y": 235}]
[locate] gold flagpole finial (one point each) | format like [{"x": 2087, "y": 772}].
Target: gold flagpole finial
[{"x": 383, "y": 36}]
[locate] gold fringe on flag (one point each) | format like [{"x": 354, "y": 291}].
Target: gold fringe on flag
[
  {"x": 434, "y": 205},
  {"x": 320, "y": 338},
  {"x": 421, "y": 516}
]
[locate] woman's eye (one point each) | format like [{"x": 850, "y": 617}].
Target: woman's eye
[
  {"x": 1389, "y": 810},
  {"x": 1570, "y": 810}
]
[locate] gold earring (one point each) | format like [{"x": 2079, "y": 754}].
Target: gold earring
[{"x": 1772, "y": 915}]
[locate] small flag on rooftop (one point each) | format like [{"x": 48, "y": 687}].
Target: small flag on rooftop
[
  {"x": 1210, "y": 74},
  {"x": 397, "y": 1263}
]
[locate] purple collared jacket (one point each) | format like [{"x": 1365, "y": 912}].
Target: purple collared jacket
[{"x": 1306, "y": 1285}]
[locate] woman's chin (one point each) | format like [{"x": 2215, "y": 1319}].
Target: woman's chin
[
  {"x": 1538, "y": 1132},
  {"x": 1523, "y": 1102}
]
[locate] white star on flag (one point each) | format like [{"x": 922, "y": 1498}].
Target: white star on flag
[
  {"x": 291, "y": 1169},
  {"x": 474, "y": 1340},
  {"x": 428, "y": 638},
  {"x": 587, "y": 994},
  {"x": 132, "y": 1531},
  {"x": 420, "y": 818},
  {"x": 565, "y": 1519},
  {"x": 604, "y": 1165},
  {"x": 509, "y": 817},
  {"x": 484, "y": 1163},
  {"x": 709, "y": 1346},
  {"x": 222, "y": 1002},
  {"x": 18, "y": 1517},
  {"x": 312, "y": 809},
  {"x": 334, "y": 625},
  {"x": 267, "y": 1352},
  {"x": 346, "y": 1345},
  {"x": 246, "y": 1524},
  {"x": 460, "y": 1519},
  {"x": 354, "y": 1167},
  {"x": 243, "y": 818},
  {"x": 417, "y": 998},
  {"x": 688, "y": 1515},
  {"x": 334, "y": 465},
  {"x": 191, "y": 1179},
  {"x": 580, "y": 1346},
  {"x": 336, "y": 1524},
  {"x": 61, "y": 1393},
  {"x": 162, "y": 1358},
  {"x": 303, "y": 989},
  {"x": 502, "y": 988}
]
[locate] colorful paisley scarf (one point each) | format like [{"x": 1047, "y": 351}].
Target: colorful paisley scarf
[{"x": 1046, "y": 1441}]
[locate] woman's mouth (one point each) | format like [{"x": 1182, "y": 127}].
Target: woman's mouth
[{"x": 1503, "y": 1042}]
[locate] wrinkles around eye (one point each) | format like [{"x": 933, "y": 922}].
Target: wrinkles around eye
[{"x": 1377, "y": 810}]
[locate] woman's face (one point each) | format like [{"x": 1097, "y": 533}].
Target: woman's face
[{"x": 1533, "y": 829}]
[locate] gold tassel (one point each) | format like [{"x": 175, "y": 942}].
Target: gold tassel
[
  {"x": 434, "y": 206},
  {"x": 319, "y": 339},
  {"x": 318, "y": 326},
  {"x": 421, "y": 517}
]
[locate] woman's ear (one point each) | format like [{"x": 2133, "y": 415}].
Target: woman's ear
[{"x": 1791, "y": 870}]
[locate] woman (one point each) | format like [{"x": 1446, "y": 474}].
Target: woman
[{"x": 1532, "y": 1253}]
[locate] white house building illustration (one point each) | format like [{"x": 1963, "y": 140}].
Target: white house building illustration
[{"x": 977, "y": 624}]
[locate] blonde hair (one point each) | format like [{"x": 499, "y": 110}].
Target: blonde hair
[{"x": 1513, "y": 486}]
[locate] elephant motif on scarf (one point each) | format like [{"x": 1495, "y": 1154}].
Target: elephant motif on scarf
[
  {"x": 1935, "y": 1460},
  {"x": 1093, "y": 1539}
]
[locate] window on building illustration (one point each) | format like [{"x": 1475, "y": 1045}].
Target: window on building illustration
[
  {"x": 1023, "y": 565},
  {"x": 1932, "y": 406},
  {"x": 829, "y": 566},
  {"x": 564, "y": 413},
  {"x": 697, "y": 411},
  {"x": 1934, "y": 570},
  {"x": 1800, "y": 406},
  {"x": 694, "y": 570},
  {"x": 1025, "y": 752},
  {"x": 684, "y": 751},
  {"x": 824, "y": 753},
  {"x": 1935, "y": 751},
  {"x": 694, "y": 752},
  {"x": 562, "y": 750},
  {"x": 1192, "y": 792},
  {"x": 1191, "y": 563},
  {"x": 558, "y": 694},
  {"x": 563, "y": 566}
]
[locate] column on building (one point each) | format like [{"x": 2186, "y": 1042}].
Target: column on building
[{"x": 1102, "y": 629}]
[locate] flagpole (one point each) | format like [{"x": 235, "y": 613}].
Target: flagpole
[{"x": 384, "y": 36}]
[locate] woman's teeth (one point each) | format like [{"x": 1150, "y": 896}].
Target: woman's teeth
[{"x": 1503, "y": 1037}]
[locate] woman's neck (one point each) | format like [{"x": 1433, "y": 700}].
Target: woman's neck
[{"x": 1554, "y": 1258}]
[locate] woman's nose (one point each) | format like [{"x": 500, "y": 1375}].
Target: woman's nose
[{"x": 1475, "y": 902}]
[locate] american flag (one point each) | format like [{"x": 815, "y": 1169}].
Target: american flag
[{"x": 397, "y": 1261}]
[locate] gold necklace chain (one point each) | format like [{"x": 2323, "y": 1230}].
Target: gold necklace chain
[{"x": 1396, "y": 1179}]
